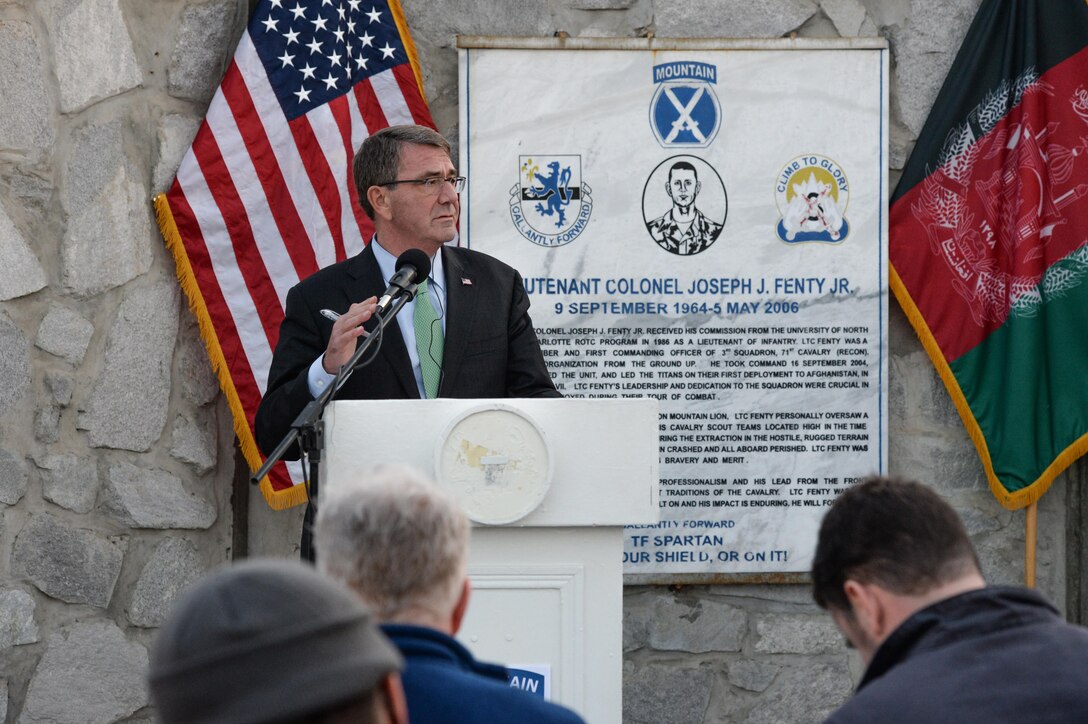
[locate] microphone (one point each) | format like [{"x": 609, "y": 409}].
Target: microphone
[{"x": 411, "y": 265}]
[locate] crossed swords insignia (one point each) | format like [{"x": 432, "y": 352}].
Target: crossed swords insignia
[{"x": 684, "y": 121}]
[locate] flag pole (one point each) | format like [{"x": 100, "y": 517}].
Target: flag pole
[{"x": 1030, "y": 527}]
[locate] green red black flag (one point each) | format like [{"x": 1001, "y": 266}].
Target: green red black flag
[{"x": 989, "y": 240}]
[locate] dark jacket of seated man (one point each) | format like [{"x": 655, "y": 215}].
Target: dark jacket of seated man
[
  {"x": 444, "y": 684},
  {"x": 897, "y": 572}
]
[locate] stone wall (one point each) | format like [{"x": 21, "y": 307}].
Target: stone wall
[{"x": 116, "y": 452}]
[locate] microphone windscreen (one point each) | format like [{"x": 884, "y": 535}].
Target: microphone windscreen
[{"x": 416, "y": 259}]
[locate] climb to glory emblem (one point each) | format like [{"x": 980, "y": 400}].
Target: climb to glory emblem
[
  {"x": 550, "y": 205},
  {"x": 812, "y": 193}
]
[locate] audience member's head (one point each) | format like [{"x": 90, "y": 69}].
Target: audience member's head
[
  {"x": 887, "y": 548},
  {"x": 400, "y": 542},
  {"x": 273, "y": 641}
]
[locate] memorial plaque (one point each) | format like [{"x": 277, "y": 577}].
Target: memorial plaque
[{"x": 705, "y": 224}]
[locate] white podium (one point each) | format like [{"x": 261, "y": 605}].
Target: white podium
[{"x": 549, "y": 483}]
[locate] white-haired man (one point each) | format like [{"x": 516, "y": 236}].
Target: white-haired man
[{"x": 401, "y": 543}]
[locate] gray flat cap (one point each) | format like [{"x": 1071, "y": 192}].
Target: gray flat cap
[{"x": 266, "y": 640}]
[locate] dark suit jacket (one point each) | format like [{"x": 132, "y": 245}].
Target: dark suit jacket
[{"x": 491, "y": 349}]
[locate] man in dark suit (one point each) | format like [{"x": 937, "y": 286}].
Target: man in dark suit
[{"x": 470, "y": 319}]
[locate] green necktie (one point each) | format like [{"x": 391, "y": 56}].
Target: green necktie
[{"x": 429, "y": 340}]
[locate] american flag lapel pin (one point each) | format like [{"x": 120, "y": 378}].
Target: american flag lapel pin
[{"x": 466, "y": 282}]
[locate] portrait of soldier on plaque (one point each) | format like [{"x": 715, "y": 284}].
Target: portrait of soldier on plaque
[{"x": 688, "y": 217}]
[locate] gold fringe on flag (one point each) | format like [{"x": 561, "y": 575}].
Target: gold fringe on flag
[
  {"x": 1010, "y": 500},
  {"x": 277, "y": 499},
  {"x": 409, "y": 44}
]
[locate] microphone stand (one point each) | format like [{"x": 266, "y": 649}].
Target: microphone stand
[{"x": 308, "y": 430}]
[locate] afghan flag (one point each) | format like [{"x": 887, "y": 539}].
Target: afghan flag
[{"x": 989, "y": 240}]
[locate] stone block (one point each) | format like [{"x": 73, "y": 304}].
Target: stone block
[
  {"x": 14, "y": 364},
  {"x": 13, "y": 477},
  {"x": 194, "y": 441},
  {"x": 1001, "y": 555},
  {"x": 65, "y": 333},
  {"x": 888, "y": 12},
  {"x": 17, "y": 625},
  {"x": 204, "y": 43},
  {"x": 93, "y": 51},
  {"x": 918, "y": 79},
  {"x": 601, "y": 4},
  {"x": 804, "y": 695},
  {"x": 174, "y": 565},
  {"x": 925, "y": 45},
  {"x": 439, "y": 24},
  {"x": 47, "y": 424},
  {"x": 847, "y": 15},
  {"x": 947, "y": 462},
  {"x": 3, "y": 699},
  {"x": 26, "y": 117},
  {"x": 74, "y": 565},
  {"x": 818, "y": 26},
  {"x": 20, "y": 271},
  {"x": 797, "y": 634},
  {"x": 70, "y": 481},
  {"x": 937, "y": 26},
  {"x": 273, "y": 532},
  {"x": 142, "y": 498},
  {"x": 60, "y": 386},
  {"x": 902, "y": 339},
  {"x": 96, "y": 158},
  {"x": 730, "y": 18},
  {"x": 199, "y": 385},
  {"x": 695, "y": 625},
  {"x": 665, "y": 693},
  {"x": 637, "y": 612},
  {"x": 751, "y": 674},
  {"x": 29, "y": 188},
  {"x": 176, "y": 133},
  {"x": 107, "y": 241},
  {"x": 983, "y": 519},
  {"x": 768, "y": 592},
  {"x": 917, "y": 396},
  {"x": 129, "y": 403},
  {"x": 900, "y": 144},
  {"x": 89, "y": 673}
]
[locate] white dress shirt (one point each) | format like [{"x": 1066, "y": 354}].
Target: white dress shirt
[{"x": 318, "y": 379}]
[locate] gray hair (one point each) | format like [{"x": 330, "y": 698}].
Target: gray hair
[
  {"x": 378, "y": 158},
  {"x": 396, "y": 538}
]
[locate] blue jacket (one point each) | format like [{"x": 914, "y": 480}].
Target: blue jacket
[
  {"x": 991, "y": 655},
  {"x": 445, "y": 685}
]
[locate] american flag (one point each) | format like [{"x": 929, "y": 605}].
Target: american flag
[{"x": 264, "y": 197}]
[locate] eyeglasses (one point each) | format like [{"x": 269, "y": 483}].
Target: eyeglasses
[{"x": 432, "y": 184}]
